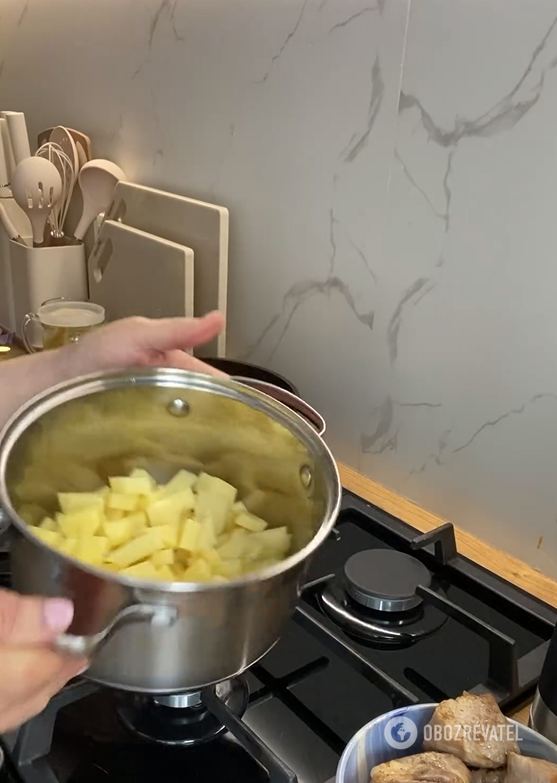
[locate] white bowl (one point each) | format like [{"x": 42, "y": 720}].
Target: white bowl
[{"x": 369, "y": 747}]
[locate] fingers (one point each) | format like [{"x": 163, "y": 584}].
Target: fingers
[
  {"x": 26, "y": 621},
  {"x": 167, "y": 334},
  {"x": 30, "y": 678},
  {"x": 183, "y": 361}
]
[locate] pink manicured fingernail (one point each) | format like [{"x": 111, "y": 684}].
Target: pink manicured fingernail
[{"x": 58, "y": 613}]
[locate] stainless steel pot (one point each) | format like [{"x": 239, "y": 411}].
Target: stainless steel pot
[
  {"x": 287, "y": 398},
  {"x": 153, "y": 637}
]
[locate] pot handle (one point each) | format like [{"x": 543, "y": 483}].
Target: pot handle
[
  {"x": 291, "y": 401},
  {"x": 161, "y": 616}
]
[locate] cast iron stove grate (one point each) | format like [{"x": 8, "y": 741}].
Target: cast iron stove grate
[{"x": 322, "y": 682}]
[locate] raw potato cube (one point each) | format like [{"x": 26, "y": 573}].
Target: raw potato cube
[
  {"x": 212, "y": 557},
  {"x": 189, "y": 539},
  {"x": 214, "y": 507},
  {"x": 181, "y": 481},
  {"x": 207, "y": 538},
  {"x": 92, "y": 549},
  {"x": 68, "y": 546},
  {"x": 49, "y": 524},
  {"x": 164, "y": 557},
  {"x": 114, "y": 514},
  {"x": 166, "y": 574},
  {"x": 228, "y": 568},
  {"x": 170, "y": 510},
  {"x": 135, "y": 550},
  {"x": 119, "y": 532},
  {"x": 129, "y": 485},
  {"x": 238, "y": 508},
  {"x": 212, "y": 485},
  {"x": 81, "y": 523},
  {"x": 121, "y": 502},
  {"x": 275, "y": 541},
  {"x": 50, "y": 537},
  {"x": 142, "y": 473},
  {"x": 141, "y": 571},
  {"x": 198, "y": 572},
  {"x": 168, "y": 535},
  {"x": 138, "y": 520},
  {"x": 250, "y": 522},
  {"x": 235, "y": 547},
  {"x": 77, "y": 501}
]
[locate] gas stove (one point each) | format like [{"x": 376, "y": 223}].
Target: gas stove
[{"x": 388, "y": 617}]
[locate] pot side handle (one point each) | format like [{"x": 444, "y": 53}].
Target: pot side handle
[
  {"x": 296, "y": 404},
  {"x": 161, "y": 615}
]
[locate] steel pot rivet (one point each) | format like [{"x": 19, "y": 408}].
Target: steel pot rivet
[
  {"x": 178, "y": 408},
  {"x": 305, "y": 476}
]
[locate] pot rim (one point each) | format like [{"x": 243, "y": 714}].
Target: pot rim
[{"x": 165, "y": 377}]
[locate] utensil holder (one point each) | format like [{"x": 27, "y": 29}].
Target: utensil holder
[{"x": 41, "y": 273}]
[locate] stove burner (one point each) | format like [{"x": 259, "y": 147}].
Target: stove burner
[
  {"x": 181, "y": 719},
  {"x": 385, "y": 580}
]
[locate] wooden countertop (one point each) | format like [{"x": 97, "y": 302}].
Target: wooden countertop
[{"x": 484, "y": 554}]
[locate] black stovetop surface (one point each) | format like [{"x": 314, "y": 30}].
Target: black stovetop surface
[{"x": 318, "y": 686}]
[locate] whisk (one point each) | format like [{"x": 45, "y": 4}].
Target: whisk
[{"x": 56, "y": 155}]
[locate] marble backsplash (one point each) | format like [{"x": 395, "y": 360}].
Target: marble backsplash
[{"x": 390, "y": 167}]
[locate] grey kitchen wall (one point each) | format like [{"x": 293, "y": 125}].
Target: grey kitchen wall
[{"x": 391, "y": 171}]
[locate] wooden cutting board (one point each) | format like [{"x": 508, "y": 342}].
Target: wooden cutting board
[
  {"x": 134, "y": 273},
  {"x": 195, "y": 224}
]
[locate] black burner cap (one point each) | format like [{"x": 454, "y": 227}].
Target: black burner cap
[{"x": 385, "y": 580}]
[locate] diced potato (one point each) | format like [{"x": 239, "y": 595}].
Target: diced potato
[
  {"x": 275, "y": 541},
  {"x": 171, "y": 510},
  {"x": 132, "y": 485},
  {"x": 168, "y": 535},
  {"x": 80, "y": 523},
  {"x": 141, "y": 571},
  {"x": 49, "y": 524},
  {"x": 215, "y": 486},
  {"x": 214, "y": 507},
  {"x": 50, "y": 537},
  {"x": 118, "y": 532},
  {"x": 68, "y": 546},
  {"x": 114, "y": 514},
  {"x": 92, "y": 549},
  {"x": 250, "y": 522},
  {"x": 138, "y": 520},
  {"x": 212, "y": 557},
  {"x": 166, "y": 574},
  {"x": 235, "y": 546},
  {"x": 198, "y": 572},
  {"x": 189, "y": 538},
  {"x": 207, "y": 537},
  {"x": 181, "y": 481},
  {"x": 228, "y": 568},
  {"x": 164, "y": 557},
  {"x": 190, "y": 529},
  {"x": 77, "y": 501},
  {"x": 142, "y": 473},
  {"x": 135, "y": 550},
  {"x": 121, "y": 501}
]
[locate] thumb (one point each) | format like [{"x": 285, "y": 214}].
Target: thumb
[
  {"x": 26, "y": 621},
  {"x": 167, "y": 334}
]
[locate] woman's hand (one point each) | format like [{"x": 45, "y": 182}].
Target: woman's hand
[
  {"x": 30, "y": 671},
  {"x": 131, "y": 342},
  {"x": 143, "y": 342}
]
